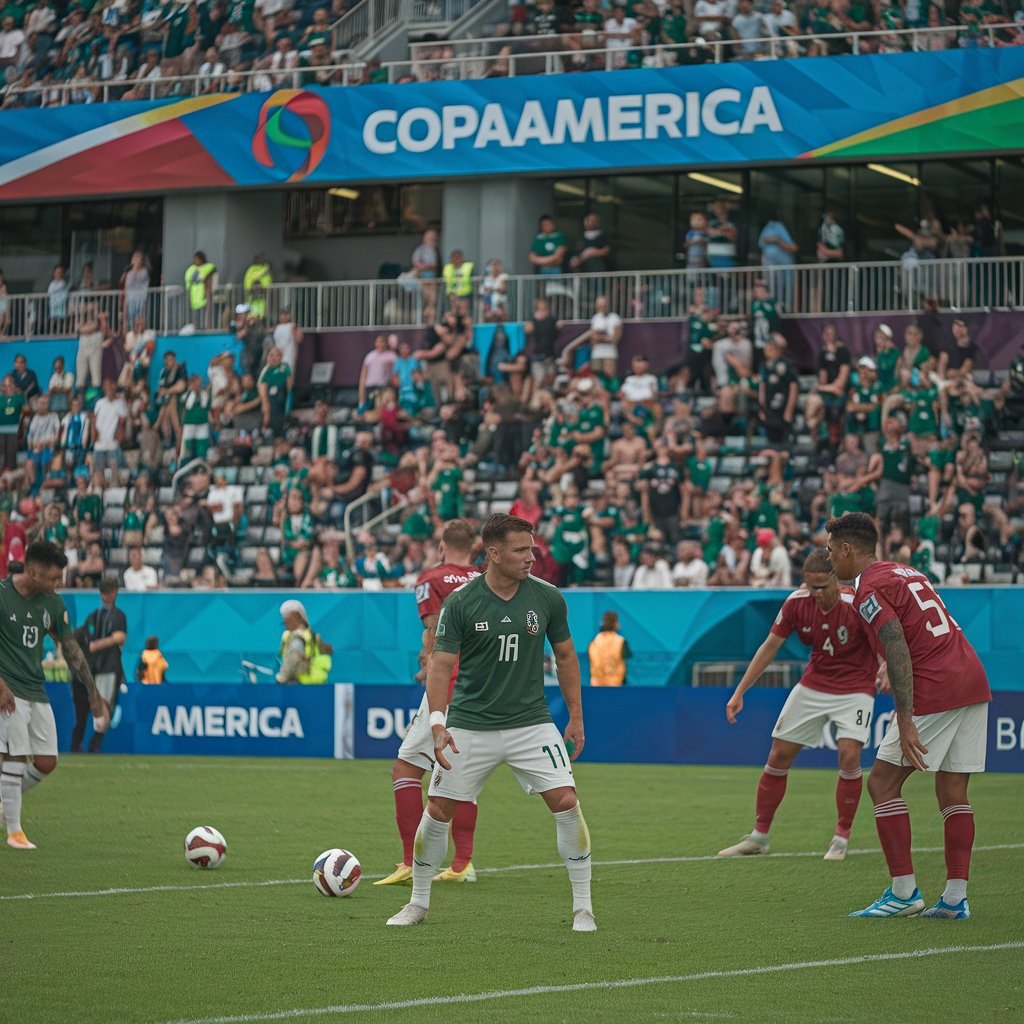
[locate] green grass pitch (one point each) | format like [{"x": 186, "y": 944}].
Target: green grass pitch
[{"x": 252, "y": 952}]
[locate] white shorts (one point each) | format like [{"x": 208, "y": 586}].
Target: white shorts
[
  {"x": 535, "y": 753},
  {"x": 195, "y": 432},
  {"x": 30, "y": 729},
  {"x": 418, "y": 746},
  {"x": 602, "y": 350},
  {"x": 957, "y": 741},
  {"x": 807, "y": 713}
]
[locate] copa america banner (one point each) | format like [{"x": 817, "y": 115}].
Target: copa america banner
[{"x": 883, "y": 106}]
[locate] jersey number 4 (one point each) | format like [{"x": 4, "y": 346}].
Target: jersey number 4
[{"x": 933, "y": 604}]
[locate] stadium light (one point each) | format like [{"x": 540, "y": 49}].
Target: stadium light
[
  {"x": 891, "y": 172},
  {"x": 707, "y": 179}
]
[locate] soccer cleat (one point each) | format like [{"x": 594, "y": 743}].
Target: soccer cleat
[
  {"x": 409, "y": 914},
  {"x": 583, "y": 921},
  {"x": 888, "y": 905},
  {"x": 19, "y": 841},
  {"x": 837, "y": 848},
  {"x": 467, "y": 874},
  {"x": 958, "y": 912},
  {"x": 402, "y": 875},
  {"x": 748, "y": 846}
]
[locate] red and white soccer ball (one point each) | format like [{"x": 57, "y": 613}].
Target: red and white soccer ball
[
  {"x": 205, "y": 847},
  {"x": 336, "y": 873}
]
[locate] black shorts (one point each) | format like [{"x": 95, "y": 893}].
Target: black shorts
[{"x": 777, "y": 431}]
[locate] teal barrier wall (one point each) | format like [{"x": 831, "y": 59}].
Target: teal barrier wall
[{"x": 205, "y": 636}]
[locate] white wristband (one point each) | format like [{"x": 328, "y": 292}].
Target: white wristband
[{"x": 437, "y": 718}]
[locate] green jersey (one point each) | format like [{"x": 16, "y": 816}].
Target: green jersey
[
  {"x": 500, "y": 645},
  {"x": 23, "y": 625},
  {"x": 700, "y": 330},
  {"x": 590, "y": 419},
  {"x": 11, "y": 407},
  {"x": 922, "y": 420},
  {"x": 870, "y": 420},
  {"x": 765, "y": 315},
  {"x": 699, "y": 472},
  {"x": 886, "y": 360},
  {"x": 570, "y": 536},
  {"x": 897, "y": 463},
  {"x": 449, "y": 494}
]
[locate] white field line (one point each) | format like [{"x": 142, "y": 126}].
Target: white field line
[
  {"x": 590, "y": 986},
  {"x": 480, "y": 871}
]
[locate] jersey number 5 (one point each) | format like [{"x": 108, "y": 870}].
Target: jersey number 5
[{"x": 942, "y": 628}]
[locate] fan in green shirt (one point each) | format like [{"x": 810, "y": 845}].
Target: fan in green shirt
[
  {"x": 570, "y": 541},
  {"x": 447, "y": 488}
]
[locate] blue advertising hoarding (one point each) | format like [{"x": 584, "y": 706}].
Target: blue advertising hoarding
[{"x": 853, "y": 107}]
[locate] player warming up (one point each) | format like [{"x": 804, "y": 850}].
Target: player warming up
[
  {"x": 837, "y": 686},
  {"x": 496, "y": 626},
  {"x": 941, "y": 724},
  {"x": 416, "y": 755},
  {"x": 29, "y": 609}
]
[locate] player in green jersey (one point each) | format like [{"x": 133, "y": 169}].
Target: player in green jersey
[
  {"x": 496, "y": 626},
  {"x": 29, "y": 609}
]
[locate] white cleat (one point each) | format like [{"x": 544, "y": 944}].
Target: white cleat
[
  {"x": 748, "y": 846},
  {"x": 837, "y": 848},
  {"x": 583, "y": 921},
  {"x": 409, "y": 914}
]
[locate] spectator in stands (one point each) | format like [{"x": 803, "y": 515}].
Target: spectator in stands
[
  {"x": 712, "y": 18},
  {"x": 604, "y": 336},
  {"x": 25, "y": 379},
  {"x": 195, "y": 419},
  {"x": 76, "y": 435},
  {"x": 139, "y": 577},
  {"x": 690, "y": 570},
  {"x": 287, "y": 338},
  {"x": 61, "y": 385},
  {"x": 376, "y": 371},
  {"x": 542, "y": 331},
  {"x": 653, "y": 572},
  {"x": 57, "y": 298},
  {"x": 109, "y": 416},
  {"x": 264, "y": 572},
  {"x": 769, "y": 564},
  {"x": 781, "y": 23},
  {"x": 494, "y": 291},
  {"x": 593, "y": 249},
  {"x": 765, "y": 317},
  {"x": 864, "y": 404},
  {"x": 779, "y": 390},
  {"x": 170, "y": 387},
  {"x": 12, "y": 404},
  {"x": 957, "y": 360},
  {"x": 749, "y": 26},
  {"x": 722, "y": 231},
  {"x": 199, "y": 285},
  {"x": 827, "y": 402},
  {"x": 40, "y": 441},
  {"x": 732, "y": 357},
  {"x": 892, "y": 468},
  {"x": 275, "y": 388},
  {"x": 661, "y": 493},
  {"x": 778, "y": 250},
  {"x": 357, "y": 468},
  {"x": 628, "y": 454},
  {"x": 547, "y": 254},
  {"x": 733, "y": 566},
  {"x": 457, "y": 275},
  {"x": 887, "y": 358}
]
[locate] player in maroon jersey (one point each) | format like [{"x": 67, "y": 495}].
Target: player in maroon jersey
[
  {"x": 416, "y": 755},
  {"x": 838, "y": 685},
  {"x": 941, "y": 724}
]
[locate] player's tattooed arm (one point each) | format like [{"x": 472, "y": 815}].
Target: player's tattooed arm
[
  {"x": 79, "y": 666},
  {"x": 900, "y": 669}
]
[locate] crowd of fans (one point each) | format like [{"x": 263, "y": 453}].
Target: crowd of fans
[
  {"x": 53, "y": 52},
  {"x": 718, "y": 471}
]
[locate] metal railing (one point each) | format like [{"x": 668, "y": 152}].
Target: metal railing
[
  {"x": 364, "y": 21},
  {"x": 804, "y": 290},
  {"x": 503, "y": 57}
]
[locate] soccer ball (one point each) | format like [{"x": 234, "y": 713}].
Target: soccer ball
[
  {"x": 205, "y": 847},
  {"x": 336, "y": 873}
]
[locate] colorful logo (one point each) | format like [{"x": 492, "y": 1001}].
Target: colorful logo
[{"x": 292, "y": 133}]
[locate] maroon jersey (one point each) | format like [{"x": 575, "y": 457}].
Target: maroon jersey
[
  {"x": 432, "y": 587},
  {"x": 842, "y": 659},
  {"x": 947, "y": 672}
]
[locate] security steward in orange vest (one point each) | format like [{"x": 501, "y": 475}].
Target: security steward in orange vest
[{"x": 608, "y": 652}]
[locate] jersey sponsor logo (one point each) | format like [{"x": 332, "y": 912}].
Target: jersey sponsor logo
[
  {"x": 422, "y": 592},
  {"x": 482, "y": 627},
  {"x": 870, "y": 608},
  {"x": 532, "y": 623},
  {"x": 506, "y": 619},
  {"x": 806, "y": 629}
]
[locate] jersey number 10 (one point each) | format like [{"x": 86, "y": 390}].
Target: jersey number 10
[{"x": 508, "y": 649}]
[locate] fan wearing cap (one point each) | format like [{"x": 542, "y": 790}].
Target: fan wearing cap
[
  {"x": 304, "y": 657},
  {"x": 864, "y": 405},
  {"x": 769, "y": 564},
  {"x": 887, "y": 358}
]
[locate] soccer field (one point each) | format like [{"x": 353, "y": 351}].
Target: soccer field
[{"x": 107, "y": 923}]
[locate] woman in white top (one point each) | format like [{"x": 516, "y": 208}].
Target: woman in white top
[
  {"x": 287, "y": 338},
  {"x": 494, "y": 290}
]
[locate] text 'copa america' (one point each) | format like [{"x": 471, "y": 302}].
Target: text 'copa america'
[{"x": 628, "y": 118}]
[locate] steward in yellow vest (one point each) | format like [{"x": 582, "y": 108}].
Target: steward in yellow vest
[
  {"x": 458, "y": 276},
  {"x": 305, "y": 658},
  {"x": 197, "y": 281},
  {"x": 255, "y": 282},
  {"x": 608, "y": 654}
]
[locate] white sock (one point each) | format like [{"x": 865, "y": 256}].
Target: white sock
[
  {"x": 574, "y": 847},
  {"x": 758, "y": 835},
  {"x": 956, "y": 890},
  {"x": 428, "y": 853},
  {"x": 903, "y": 886},
  {"x": 31, "y": 778},
  {"x": 11, "y": 774}
]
